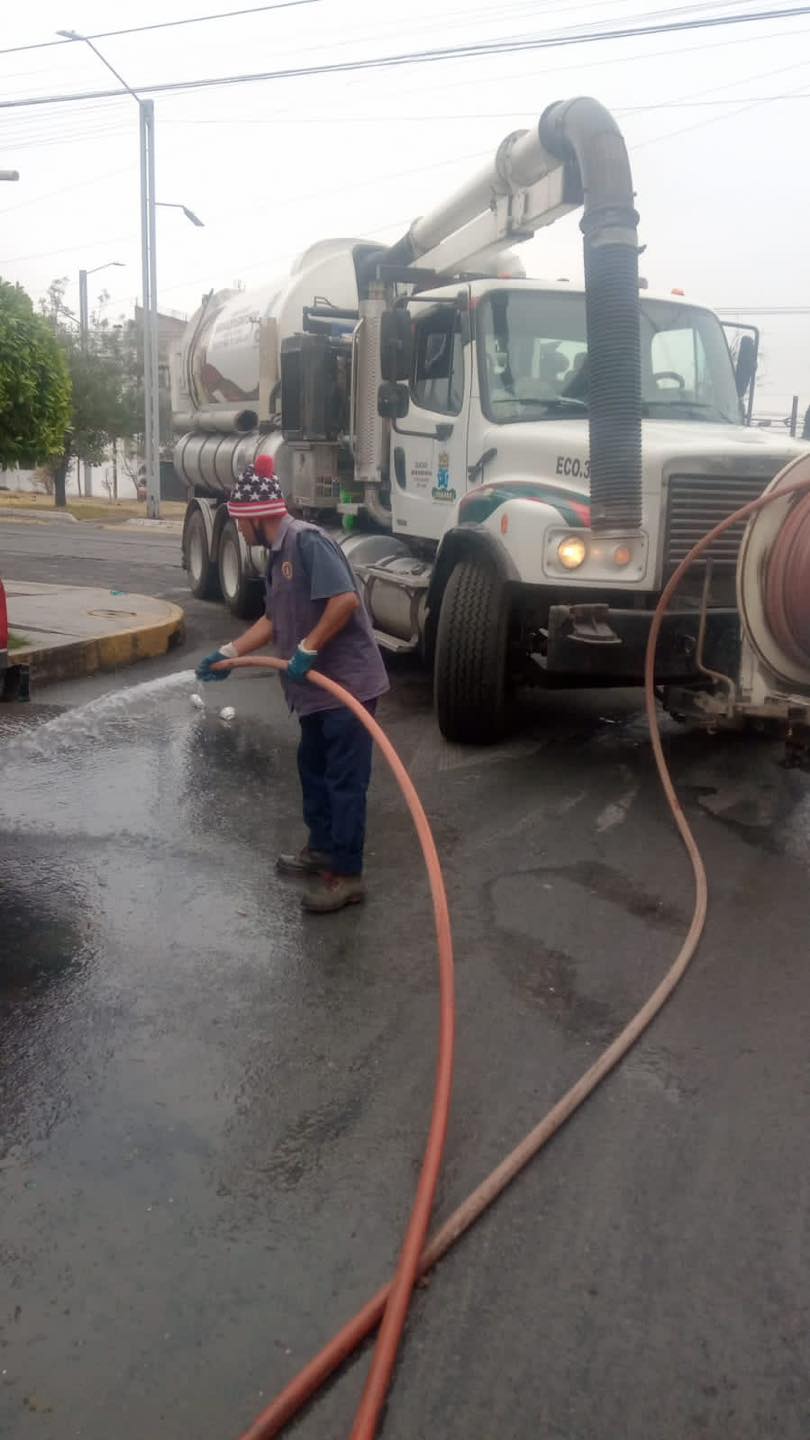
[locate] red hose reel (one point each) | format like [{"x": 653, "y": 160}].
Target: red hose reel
[
  {"x": 773, "y": 581},
  {"x": 787, "y": 583}
]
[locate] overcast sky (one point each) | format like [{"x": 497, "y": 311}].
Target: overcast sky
[{"x": 272, "y": 166}]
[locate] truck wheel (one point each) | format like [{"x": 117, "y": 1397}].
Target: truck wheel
[
  {"x": 202, "y": 575},
  {"x": 471, "y": 652},
  {"x": 239, "y": 590}
]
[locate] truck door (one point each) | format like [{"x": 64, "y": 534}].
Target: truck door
[{"x": 429, "y": 447}]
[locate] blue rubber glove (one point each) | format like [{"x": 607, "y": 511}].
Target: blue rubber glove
[
  {"x": 204, "y": 671},
  {"x": 302, "y": 661}
]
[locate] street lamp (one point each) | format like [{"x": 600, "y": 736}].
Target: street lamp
[
  {"x": 189, "y": 214},
  {"x": 151, "y": 436},
  {"x": 84, "y": 327},
  {"x": 84, "y": 323}
]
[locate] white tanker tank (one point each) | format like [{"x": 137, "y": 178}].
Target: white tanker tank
[{"x": 226, "y": 377}]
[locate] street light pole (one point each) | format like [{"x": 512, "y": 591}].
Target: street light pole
[
  {"x": 84, "y": 314},
  {"x": 151, "y": 402},
  {"x": 151, "y": 439},
  {"x": 150, "y": 312},
  {"x": 87, "y": 486},
  {"x": 84, "y": 322},
  {"x": 84, "y": 332}
]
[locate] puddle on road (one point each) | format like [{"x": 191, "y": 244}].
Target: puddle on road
[
  {"x": 139, "y": 824},
  {"x": 90, "y": 722},
  {"x": 141, "y": 763}
]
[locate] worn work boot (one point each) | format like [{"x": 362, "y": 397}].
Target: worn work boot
[
  {"x": 306, "y": 862},
  {"x": 334, "y": 892}
]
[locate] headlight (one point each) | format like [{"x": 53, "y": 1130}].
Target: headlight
[{"x": 571, "y": 552}]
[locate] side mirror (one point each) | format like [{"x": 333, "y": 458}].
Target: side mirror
[
  {"x": 393, "y": 401},
  {"x": 396, "y": 345},
  {"x": 746, "y": 363}
]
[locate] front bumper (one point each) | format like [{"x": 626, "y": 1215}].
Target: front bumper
[{"x": 608, "y": 646}]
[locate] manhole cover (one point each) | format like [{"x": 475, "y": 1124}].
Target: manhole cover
[{"x": 114, "y": 614}]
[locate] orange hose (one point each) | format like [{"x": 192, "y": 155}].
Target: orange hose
[
  {"x": 398, "y": 1293},
  {"x": 313, "y": 1376}
]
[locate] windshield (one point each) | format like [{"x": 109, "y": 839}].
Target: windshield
[{"x": 533, "y": 359}]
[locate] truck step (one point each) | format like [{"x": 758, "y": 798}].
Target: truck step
[{"x": 394, "y": 644}]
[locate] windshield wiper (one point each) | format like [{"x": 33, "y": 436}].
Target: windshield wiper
[
  {"x": 657, "y": 410},
  {"x": 553, "y": 402}
]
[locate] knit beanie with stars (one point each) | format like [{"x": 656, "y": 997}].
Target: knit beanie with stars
[{"x": 257, "y": 493}]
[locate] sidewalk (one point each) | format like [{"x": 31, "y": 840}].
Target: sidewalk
[{"x": 68, "y": 630}]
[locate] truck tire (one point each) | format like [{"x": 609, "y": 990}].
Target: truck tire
[
  {"x": 240, "y": 591},
  {"x": 202, "y": 574},
  {"x": 471, "y": 655}
]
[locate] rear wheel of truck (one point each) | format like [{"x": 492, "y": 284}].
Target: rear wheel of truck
[
  {"x": 471, "y": 655},
  {"x": 240, "y": 591},
  {"x": 202, "y": 574}
]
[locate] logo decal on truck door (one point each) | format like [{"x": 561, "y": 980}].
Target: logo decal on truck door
[{"x": 442, "y": 490}]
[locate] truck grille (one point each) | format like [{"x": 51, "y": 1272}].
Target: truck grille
[{"x": 695, "y": 503}]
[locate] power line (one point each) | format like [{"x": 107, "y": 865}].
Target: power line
[
  {"x": 634, "y": 58},
  {"x": 309, "y": 195},
  {"x": 159, "y": 25},
  {"x": 421, "y": 57},
  {"x": 63, "y": 189},
  {"x": 762, "y": 309},
  {"x": 290, "y": 4},
  {"x": 732, "y": 100},
  {"x": 740, "y": 109},
  {"x": 243, "y": 268},
  {"x": 68, "y": 249},
  {"x": 729, "y": 100},
  {"x": 477, "y": 155},
  {"x": 624, "y": 59},
  {"x": 54, "y": 132},
  {"x": 494, "y": 114}
]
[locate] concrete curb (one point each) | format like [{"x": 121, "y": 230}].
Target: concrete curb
[
  {"x": 103, "y": 652},
  {"x": 173, "y": 527},
  {"x": 20, "y": 512}
]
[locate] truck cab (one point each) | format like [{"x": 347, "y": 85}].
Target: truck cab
[
  {"x": 491, "y": 465},
  {"x": 499, "y": 389}
]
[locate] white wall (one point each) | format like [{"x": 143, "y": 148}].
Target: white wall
[
  {"x": 19, "y": 480},
  {"x": 25, "y": 481},
  {"x": 101, "y": 473}
]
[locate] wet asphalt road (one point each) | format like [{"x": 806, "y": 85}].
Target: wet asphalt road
[{"x": 211, "y": 1106}]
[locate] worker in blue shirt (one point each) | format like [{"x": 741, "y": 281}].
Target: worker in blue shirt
[{"x": 314, "y": 615}]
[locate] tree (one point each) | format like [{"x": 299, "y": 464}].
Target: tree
[
  {"x": 106, "y": 396},
  {"x": 35, "y": 393}
]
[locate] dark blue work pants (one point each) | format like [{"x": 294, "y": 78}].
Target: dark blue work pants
[{"x": 334, "y": 763}]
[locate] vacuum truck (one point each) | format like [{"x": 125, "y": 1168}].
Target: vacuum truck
[{"x": 514, "y": 467}]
